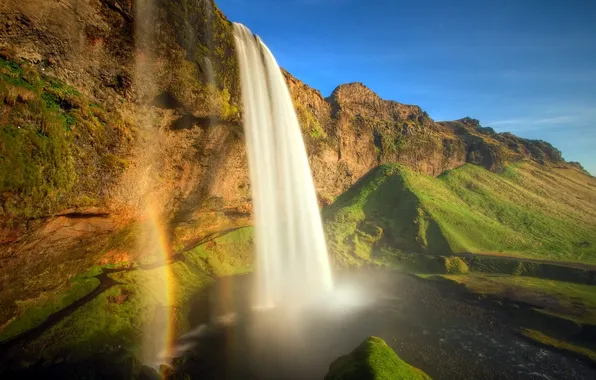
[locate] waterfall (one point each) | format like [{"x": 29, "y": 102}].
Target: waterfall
[{"x": 292, "y": 265}]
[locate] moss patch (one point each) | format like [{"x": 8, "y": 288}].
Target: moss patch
[
  {"x": 57, "y": 147},
  {"x": 203, "y": 33},
  {"x": 455, "y": 265},
  {"x": 380, "y": 210},
  {"x": 373, "y": 359},
  {"x": 30, "y": 316},
  {"x": 226, "y": 255},
  {"x": 120, "y": 317},
  {"x": 309, "y": 122}
]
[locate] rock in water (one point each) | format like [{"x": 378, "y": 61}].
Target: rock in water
[{"x": 373, "y": 359}]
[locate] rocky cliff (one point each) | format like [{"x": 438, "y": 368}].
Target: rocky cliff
[{"x": 105, "y": 105}]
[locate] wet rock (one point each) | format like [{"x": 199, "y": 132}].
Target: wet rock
[{"x": 372, "y": 359}]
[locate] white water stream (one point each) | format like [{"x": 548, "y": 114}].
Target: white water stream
[{"x": 292, "y": 262}]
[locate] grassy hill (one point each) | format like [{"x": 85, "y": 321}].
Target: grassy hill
[{"x": 528, "y": 210}]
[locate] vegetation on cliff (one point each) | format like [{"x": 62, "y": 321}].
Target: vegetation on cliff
[
  {"x": 201, "y": 73},
  {"x": 526, "y": 211},
  {"x": 58, "y": 148},
  {"x": 79, "y": 108},
  {"x": 118, "y": 317},
  {"x": 373, "y": 359}
]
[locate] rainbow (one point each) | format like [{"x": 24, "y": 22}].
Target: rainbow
[{"x": 165, "y": 338}]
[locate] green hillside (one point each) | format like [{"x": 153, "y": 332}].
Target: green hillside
[{"x": 527, "y": 211}]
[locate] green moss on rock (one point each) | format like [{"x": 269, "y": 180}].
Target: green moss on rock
[
  {"x": 119, "y": 317},
  {"x": 373, "y": 359},
  {"x": 380, "y": 210},
  {"x": 455, "y": 265},
  {"x": 202, "y": 32},
  {"x": 46, "y": 305},
  {"x": 57, "y": 148},
  {"x": 226, "y": 255}
]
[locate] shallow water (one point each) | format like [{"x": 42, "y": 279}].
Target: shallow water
[{"x": 446, "y": 337}]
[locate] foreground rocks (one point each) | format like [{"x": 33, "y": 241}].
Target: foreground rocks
[{"x": 373, "y": 359}]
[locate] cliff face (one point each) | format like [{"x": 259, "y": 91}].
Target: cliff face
[
  {"x": 107, "y": 108},
  {"x": 103, "y": 119},
  {"x": 354, "y": 130}
]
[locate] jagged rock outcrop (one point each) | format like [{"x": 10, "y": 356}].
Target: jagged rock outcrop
[
  {"x": 354, "y": 130},
  {"x": 494, "y": 150}
]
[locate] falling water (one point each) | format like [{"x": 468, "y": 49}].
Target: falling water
[
  {"x": 209, "y": 71},
  {"x": 292, "y": 262}
]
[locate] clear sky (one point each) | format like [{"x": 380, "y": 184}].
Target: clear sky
[{"x": 524, "y": 66}]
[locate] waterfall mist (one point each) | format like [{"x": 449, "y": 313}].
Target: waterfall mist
[{"x": 292, "y": 262}]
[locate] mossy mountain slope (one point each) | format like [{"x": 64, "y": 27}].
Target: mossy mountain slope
[{"x": 527, "y": 211}]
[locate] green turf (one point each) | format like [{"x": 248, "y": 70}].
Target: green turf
[
  {"x": 373, "y": 359},
  {"x": 56, "y": 146},
  {"x": 227, "y": 255},
  {"x": 527, "y": 211},
  {"x": 122, "y": 316},
  {"x": 379, "y": 210},
  {"x": 30, "y": 317}
]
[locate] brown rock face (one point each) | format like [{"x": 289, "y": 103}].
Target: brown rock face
[
  {"x": 361, "y": 131},
  {"x": 179, "y": 142}
]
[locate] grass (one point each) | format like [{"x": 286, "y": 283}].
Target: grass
[
  {"x": 528, "y": 211},
  {"x": 30, "y": 317},
  {"x": 380, "y": 208},
  {"x": 373, "y": 359},
  {"x": 101, "y": 324},
  {"x": 574, "y": 349},
  {"x": 568, "y": 300},
  {"x": 227, "y": 255},
  {"x": 121, "y": 316},
  {"x": 56, "y": 145},
  {"x": 483, "y": 212}
]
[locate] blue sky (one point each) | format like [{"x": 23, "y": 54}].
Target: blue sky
[{"x": 527, "y": 66}]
